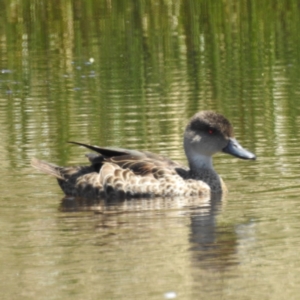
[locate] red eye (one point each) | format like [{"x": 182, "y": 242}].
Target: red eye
[{"x": 210, "y": 131}]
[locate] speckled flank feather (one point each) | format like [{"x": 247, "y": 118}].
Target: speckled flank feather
[{"x": 160, "y": 183}]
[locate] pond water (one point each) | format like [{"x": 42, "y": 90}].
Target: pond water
[{"x": 130, "y": 74}]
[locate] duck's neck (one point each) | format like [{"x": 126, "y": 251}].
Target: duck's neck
[
  {"x": 199, "y": 162},
  {"x": 201, "y": 168}
]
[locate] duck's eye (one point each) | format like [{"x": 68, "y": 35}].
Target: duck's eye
[{"x": 210, "y": 131}]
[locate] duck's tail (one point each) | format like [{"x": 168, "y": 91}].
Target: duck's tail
[{"x": 47, "y": 168}]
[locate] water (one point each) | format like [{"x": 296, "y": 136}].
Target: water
[{"x": 130, "y": 74}]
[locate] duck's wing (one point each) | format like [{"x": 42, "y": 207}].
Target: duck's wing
[
  {"x": 105, "y": 152},
  {"x": 141, "y": 163}
]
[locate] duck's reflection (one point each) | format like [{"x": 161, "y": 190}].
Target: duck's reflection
[
  {"x": 203, "y": 225},
  {"x": 134, "y": 204},
  {"x": 212, "y": 246}
]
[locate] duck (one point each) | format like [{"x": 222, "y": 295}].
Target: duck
[{"x": 123, "y": 173}]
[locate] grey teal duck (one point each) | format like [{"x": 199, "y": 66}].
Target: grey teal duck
[{"x": 124, "y": 173}]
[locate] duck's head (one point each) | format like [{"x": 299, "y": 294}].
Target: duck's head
[{"x": 208, "y": 133}]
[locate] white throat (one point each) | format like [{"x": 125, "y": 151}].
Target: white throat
[{"x": 194, "y": 152}]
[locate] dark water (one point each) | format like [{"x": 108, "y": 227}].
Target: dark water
[{"x": 130, "y": 74}]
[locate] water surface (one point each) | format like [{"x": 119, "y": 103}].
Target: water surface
[{"x": 130, "y": 74}]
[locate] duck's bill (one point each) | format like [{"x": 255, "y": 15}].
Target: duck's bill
[{"x": 235, "y": 149}]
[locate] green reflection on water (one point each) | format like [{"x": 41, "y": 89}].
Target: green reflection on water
[{"x": 175, "y": 57}]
